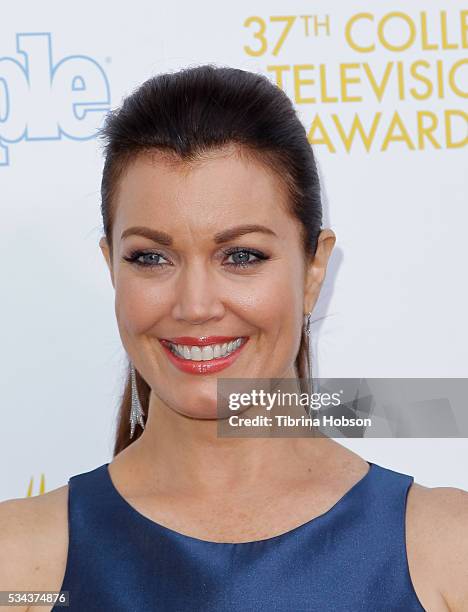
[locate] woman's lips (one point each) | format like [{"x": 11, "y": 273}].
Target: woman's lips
[{"x": 203, "y": 367}]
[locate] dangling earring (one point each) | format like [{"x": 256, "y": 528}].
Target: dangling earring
[
  {"x": 136, "y": 411},
  {"x": 307, "y": 325},
  {"x": 307, "y": 332},
  {"x": 309, "y": 361}
]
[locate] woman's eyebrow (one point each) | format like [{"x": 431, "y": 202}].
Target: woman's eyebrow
[
  {"x": 219, "y": 238},
  {"x": 147, "y": 232},
  {"x": 240, "y": 230}
]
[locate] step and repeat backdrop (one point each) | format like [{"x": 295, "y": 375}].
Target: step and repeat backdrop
[{"x": 381, "y": 89}]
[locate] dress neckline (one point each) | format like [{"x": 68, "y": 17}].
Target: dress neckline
[{"x": 158, "y": 526}]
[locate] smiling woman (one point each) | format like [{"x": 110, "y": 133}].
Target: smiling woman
[
  {"x": 213, "y": 239},
  {"x": 194, "y": 268}
]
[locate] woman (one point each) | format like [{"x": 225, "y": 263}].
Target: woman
[{"x": 212, "y": 235}]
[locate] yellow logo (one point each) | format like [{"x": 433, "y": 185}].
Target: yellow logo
[{"x": 41, "y": 486}]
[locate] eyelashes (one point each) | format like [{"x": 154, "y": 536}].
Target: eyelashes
[
  {"x": 135, "y": 256},
  {"x": 259, "y": 257}
]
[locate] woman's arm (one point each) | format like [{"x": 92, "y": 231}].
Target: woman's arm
[
  {"x": 33, "y": 544},
  {"x": 16, "y": 547},
  {"x": 438, "y": 546}
]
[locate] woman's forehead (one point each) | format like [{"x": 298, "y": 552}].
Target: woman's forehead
[{"x": 230, "y": 188}]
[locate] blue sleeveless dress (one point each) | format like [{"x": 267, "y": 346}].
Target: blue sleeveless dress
[{"x": 352, "y": 558}]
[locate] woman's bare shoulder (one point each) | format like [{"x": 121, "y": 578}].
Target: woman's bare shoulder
[
  {"x": 437, "y": 542},
  {"x": 34, "y": 541}
]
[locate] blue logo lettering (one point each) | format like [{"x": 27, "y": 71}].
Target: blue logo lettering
[{"x": 40, "y": 100}]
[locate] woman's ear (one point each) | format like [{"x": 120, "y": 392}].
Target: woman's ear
[
  {"x": 104, "y": 246},
  {"x": 316, "y": 269}
]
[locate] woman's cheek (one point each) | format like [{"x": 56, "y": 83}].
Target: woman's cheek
[
  {"x": 279, "y": 300},
  {"x": 138, "y": 307}
]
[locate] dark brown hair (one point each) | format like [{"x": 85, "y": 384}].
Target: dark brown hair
[{"x": 191, "y": 112}]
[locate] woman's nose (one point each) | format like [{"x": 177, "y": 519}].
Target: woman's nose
[{"x": 197, "y": 295}]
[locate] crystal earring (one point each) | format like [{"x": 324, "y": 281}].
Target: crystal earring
[
  {"x": 136, "y": 411},
  {"x": 307, "y": 332},
  {"x": 307, "y": 325}
]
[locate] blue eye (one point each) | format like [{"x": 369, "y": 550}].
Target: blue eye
[
  {"x": 151, "y": 262},
  {"x": 243, "y": 255}
]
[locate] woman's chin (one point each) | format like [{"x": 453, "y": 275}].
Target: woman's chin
[{"x": 206, "y": 410}]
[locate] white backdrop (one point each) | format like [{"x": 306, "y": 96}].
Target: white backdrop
[{"x": 395, "y": 298}]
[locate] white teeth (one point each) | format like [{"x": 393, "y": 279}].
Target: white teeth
[
  {"x": 205, "y": 353},
  {"x": 195, "y": 353}
]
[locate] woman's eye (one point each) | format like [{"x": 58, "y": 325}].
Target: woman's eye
[
  {"x": 242, "y": 257},
  {"x": 145, "y": 260}
]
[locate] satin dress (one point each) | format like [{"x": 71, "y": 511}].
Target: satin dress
[{"x": 352, "y": 558}]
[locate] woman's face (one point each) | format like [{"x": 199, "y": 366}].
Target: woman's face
[{"x": 207, "y": 275}]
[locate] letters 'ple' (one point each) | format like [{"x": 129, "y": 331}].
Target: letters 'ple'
[{"x": 45, "y": 100}]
